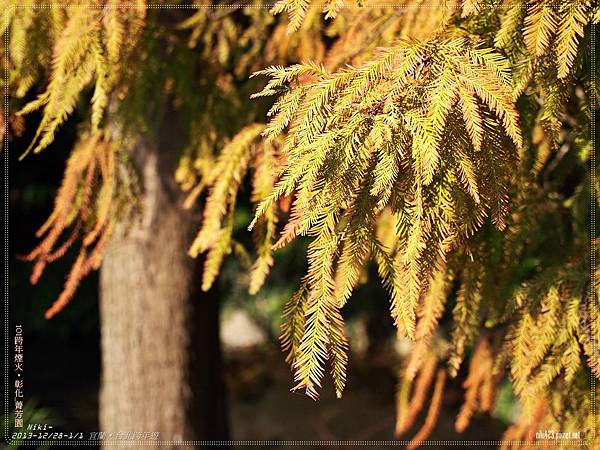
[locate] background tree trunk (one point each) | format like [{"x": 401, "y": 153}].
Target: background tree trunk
[{"x": 161, "y": 359}]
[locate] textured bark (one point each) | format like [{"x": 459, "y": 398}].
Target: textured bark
[{"x": 161, "y": 361}]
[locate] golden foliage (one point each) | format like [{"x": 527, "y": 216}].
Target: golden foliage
[
  {"x": 438, "y": 143},
  {"x": 86, "y": 42},
  {"x": 227, "y": 176},
  {"x": 430, "y": 310},
  {"x": 349, "y": 154},
  {"x": 543, "y": 40},
  {"x": 544, "y": 341}
]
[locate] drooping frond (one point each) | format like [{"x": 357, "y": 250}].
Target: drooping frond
[
  {"x": 81, "y": 210},
  {"x": 471, "y": 7},
  {"x": 465, "y": 314},
  {"x": 540, "y": 24},
  {"x": 480, "y": 385},
  {"x": 292, "y": 325},
  {"x": 296, "y": 10},
  {"x": 544, "y": 341},
  {"x": 429, "y": 313},
  {"x": 570, "y": 30},
  {"x": 408, "y": 412},
  {"x": 230, "y": 169},
  {"x": 433, "y": 412},
  {"x": 543, "y": 39},
  {"x": 382, "y": 135},
  {"x": 265, "y": 231},
  {"x": 323, "y": 338}
]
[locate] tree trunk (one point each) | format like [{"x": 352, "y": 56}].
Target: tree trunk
[{"x": 161, "y": 360}]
